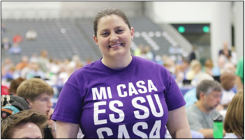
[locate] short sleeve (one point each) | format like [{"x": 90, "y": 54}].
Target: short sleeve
[
  {"x": 173, "y": 95},
  {"x": 194, "y": 121},
  {"x": 69, "y": 105},
  {"x": 239, "y": 70}
]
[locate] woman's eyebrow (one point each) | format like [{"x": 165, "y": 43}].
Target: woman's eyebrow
[{"x": 114, "y": 28}]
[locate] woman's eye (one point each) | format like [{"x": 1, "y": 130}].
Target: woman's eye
[
  {"x": 119, "y": 31},
  {"x": 105, "y": 34}
]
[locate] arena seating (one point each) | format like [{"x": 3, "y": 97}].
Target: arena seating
[{"x": 65, "y": 37}]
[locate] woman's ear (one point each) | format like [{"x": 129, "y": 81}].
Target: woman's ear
[
  {"x": 132, "y": 33},
  {"x": 95, "y": 39}
]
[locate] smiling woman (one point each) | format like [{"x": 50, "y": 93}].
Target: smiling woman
[
  {"x": 113, "y": 36},
  {"x": 120, "y": 95}
]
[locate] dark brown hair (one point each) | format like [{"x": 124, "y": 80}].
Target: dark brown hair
[
  {"x": 107, "y": 12},
  {"x": 15, "y": 84},
  {"x": 16, "y": 120},
  {"x": 234, "y": 117}
]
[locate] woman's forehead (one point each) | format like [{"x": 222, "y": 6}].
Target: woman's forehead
[{"x": 109, "y": 19}]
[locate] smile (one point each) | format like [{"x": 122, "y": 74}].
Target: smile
[{"x": 116, "y": 45}]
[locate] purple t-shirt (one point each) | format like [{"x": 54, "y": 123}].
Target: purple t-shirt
[{"x": 128, "y": 103}]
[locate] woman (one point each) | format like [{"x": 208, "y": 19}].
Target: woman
[
  {"x": 234, "y": 124},
  {"x": 120, "y": 95}
]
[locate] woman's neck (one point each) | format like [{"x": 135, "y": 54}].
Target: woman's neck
[{"x": 117, "y": 63}]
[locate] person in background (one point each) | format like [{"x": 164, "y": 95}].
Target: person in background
[
  {"x": 4, "y": 90},
  {"x": 230, "y": 67},
  {"x": 194, "y": 55},
  {"x": 83, "y": 100},
  {"x": 170, "y": 66},
  {"x": 43, "y": 61},
  {"x": 185, "y": 66},
  {"x": 209, "y": 66},
  {"x": 9, "y": 74},
  {"x": 15, "y": 49},
  {"x": 217, "y": 70},
  {"x": 195, "y": 68},
  {"x": 201, "y": 114},
  {"x": 27, "y": 124},
  {"x": 33, "y": 58},
  {"x": 234, "y": 118},
  {"x": 15, "y": 84},
  {"x": 179, "y": 72},
  {"x": 227, "y": 80},
  {"x": 38, "y": 94},
  {"x": 31, "y": 34},
  {"x": 7, "y": 66},
  {"x": 35, "y": 71},
  {"x": 233, "y": 56},
  {"x": 17, "y": 38},
  {"x": 149, "y": 54},
  {"x": 137, "y": 51},
  {"x": 3, "y": 28},
  {"x": 190, "y": 95},
  {"x": 225, "y": 51},
  {"x": 23, "y": 63},
  {"x": 6, "y": 44},
  {"x": 239, "y": 74}
]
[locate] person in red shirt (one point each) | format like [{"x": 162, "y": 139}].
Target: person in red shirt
[
  {"x": 4, "y": 90},
  {"x": 17, "y": 38}
]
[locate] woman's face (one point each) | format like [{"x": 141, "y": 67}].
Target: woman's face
[{"x": 113, "y": 36}]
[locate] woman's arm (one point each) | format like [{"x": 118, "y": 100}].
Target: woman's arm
[
  {"x": 177, "y": 124},
  {"x": 66, "y": 130}
]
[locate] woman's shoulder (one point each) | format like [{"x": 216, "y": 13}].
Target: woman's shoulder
[{"x": 88, "y": 68}]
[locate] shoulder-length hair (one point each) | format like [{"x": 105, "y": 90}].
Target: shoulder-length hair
[{"x": 234, "y": 117}]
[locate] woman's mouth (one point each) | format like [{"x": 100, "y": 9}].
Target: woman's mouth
[{"x": 116, "y": 45}]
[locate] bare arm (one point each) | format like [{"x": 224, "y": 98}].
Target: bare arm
[
  {"x": 178, "y": 124},
  {"x": 51, "y": 123},
  {"x": 239, "y": 83},
  {"x": 208, "y": 133},
  {"x": 66, "y": 130}
]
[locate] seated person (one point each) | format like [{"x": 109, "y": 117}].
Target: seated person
[
  {"x": 195, "y": 71},
  {"x": 190, "y": 95},
  {"x": 15, "y": 84},
  {"x": 217, "y": 70},
  {"x": 6, "y": 44},
  {"x": 24, "y": 124},
  {"x": 227, "y": 80},
  {"x": 15, "y": 49},
  {"x": 35, "y": 71},
  {"x": 201, "y": 114},
  {"x": 234, "y": 123},
  {"x": 38, "y": 94},
  {"x": 31, "y": 34}
]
